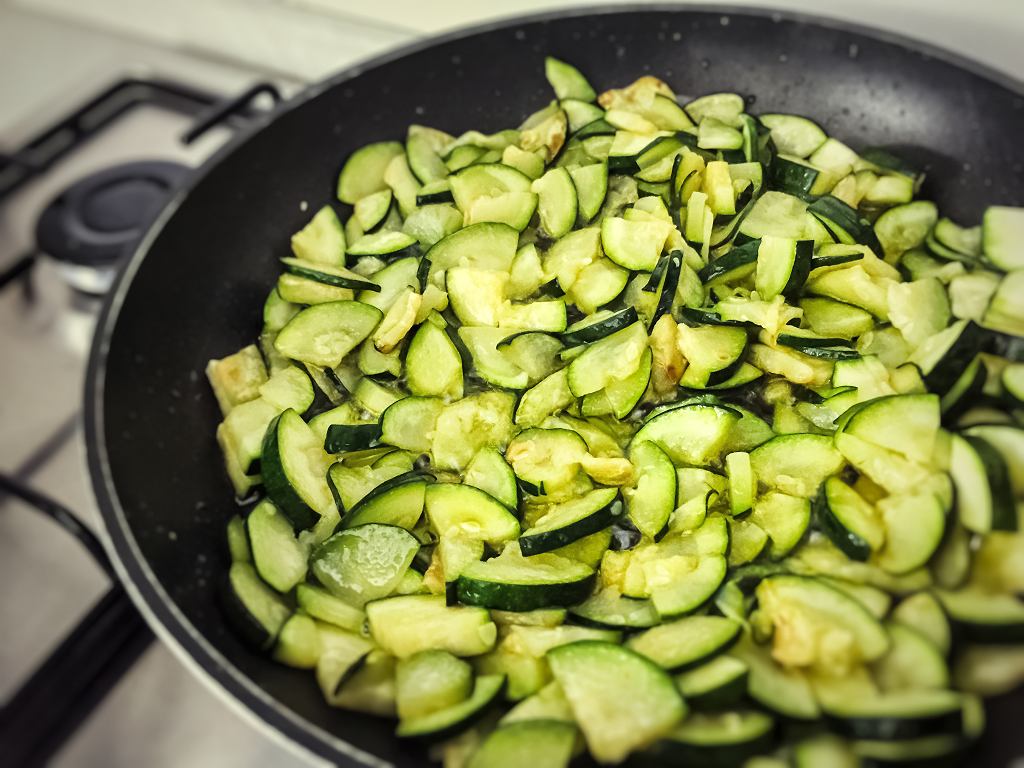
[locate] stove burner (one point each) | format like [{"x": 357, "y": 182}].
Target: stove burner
[{"x": 95, "y": 221}]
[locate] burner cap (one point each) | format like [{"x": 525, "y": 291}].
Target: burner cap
[{"x": 93, "y": 222}]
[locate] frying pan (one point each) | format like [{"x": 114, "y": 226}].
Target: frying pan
[{"x": 193, "y": 289}]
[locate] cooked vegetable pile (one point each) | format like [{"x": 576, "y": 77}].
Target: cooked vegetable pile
[{"x": 664, "y": 432}]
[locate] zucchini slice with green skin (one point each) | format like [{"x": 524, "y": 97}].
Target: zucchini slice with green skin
[
  {"x": 397, "y": 501},
  {"x": 512, "y": 582},
  {"x": 796, "y": 464},
  {"x": 408, "y": 624},
  {"x": 322, "y": 240},
  {"x": 566, "y": 81},
  {"x": 653, "y": 500},
  {"x": 323, "y": 334},
  {"x": 794, "y": 134},
  {"x": 906, "y": 424},
  {"x": 607, "y": 609},
  {"x": 776, "y": 688},
  {"x": 548, "y": 457},
  {"x": 237, "y": 539},
  {"x": 598, "y": 326},
  {"x": 365, "y": 563},
  {"x": 255, "y": 610},
  {"x": 280, "y": 558},
  {"x": 298, "y": 643},
  {"x": 635, "y": 245},
  {"x": 1008, "y": 441},
  {"x": 925, "y": 614},
  {"x": 550, "y": 395},
  {"x": 965, "y": 390},
  {"x": 943, "y": 357},
  {"x": 984, "y": 497},
  {"x": 692, "y": 434},
  {"x": 430, "y": 681},
  {"x": 463, "y": 510},
  {"x": 848, "y": 520},
  {"x": 720, "y": 682},
  {"x": 719, "y": 739},
  {"x": 433, "y": 366},
  {"x": 335, "y": 276},
  {"x": 693, "y": 590},
  {"x": 363, "y": 172},
  {"x": 898, "y": 715},
  {"x": 487, "y": 245},
  {"x": 536, "y": 743},
  {"x": 621, "y": 701},
  {"x": 569, "y": 521},
  {"x": 914, "y": 526},
  {"x": 489, "y": 472},
  {"x": 445, "y": 722},
  {"x": 591, "y": 182},
  {"x": 408, "y": 423},
  {"x": 292, "y": 465},
  {"x": 785, "y": 596},
  {"x": 557, "y": 202},
  {"x": 323, "y": 606},
  {"x": 609, "y": 359},
  {"x": 912, "y": 663},
  {"x": 738, "y": 263},
  {"x": 620, "y": 397},
  {"x": 1001, "y": 230},
  {"x": 686, "y": 642},
  {"x": 984, "y": 617}
]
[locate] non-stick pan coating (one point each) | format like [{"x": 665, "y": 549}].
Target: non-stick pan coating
[{"x": 194, "y": 290}]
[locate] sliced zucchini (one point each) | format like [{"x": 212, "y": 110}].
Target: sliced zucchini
[
  {"x": 621, "y": 701},
  {"x": 408, "y": 624},
  {"x": 365, "y": 563},
  {"x": 852, "y": 523},
  {"x": 323, "y": 334},
  {"x": 293, "y": 466},
  {"x": 433, "y": 365},
  {"x": 511, "y": 582},
  {"x": 541, "y": 743},
  {"x": 363, "y": 172},
  {"x": 906, "y": 714},
  {"x": 397, "y": 501},
  {"x": 569, "y": 521},
  {"x": 429, "y": 681},
  {"x": 489, "y": 472},
  {"x": 456, "y": 718},
  {"x": 691, "y": 434},
  {"x": 651, "y": 502},
  {"x": 325, "y": 607},
  {"x": 469, "y": 512},
  {"x": 322, "y": 240},
  {"x": 720, "y": 739},
  {"x": 685, "y": 642},
  {"x": 607, "y": 609},
  {"x": 720, "y": 682},
  {"x": 984, "y": 497},
  {"x": 255, "y": 610},
  {"x": 279, "y": 557}
]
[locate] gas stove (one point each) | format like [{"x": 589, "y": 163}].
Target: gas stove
[{"x": 74, "y": 199}]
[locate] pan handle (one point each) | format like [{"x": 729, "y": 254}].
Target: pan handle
[
  {"x": 48, "y": 707},
  {"x": 37, "y": 720},
  {"x": 239, "y": 105}
]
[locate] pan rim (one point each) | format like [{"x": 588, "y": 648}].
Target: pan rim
[{"x": 173, "y": 628}]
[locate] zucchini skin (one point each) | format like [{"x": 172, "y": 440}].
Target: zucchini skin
[
  {"x": 522, "y": 597},
  {"x": 276, "y": 482}
]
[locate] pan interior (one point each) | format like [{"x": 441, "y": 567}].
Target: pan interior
[{"x": 197, "y": 293}]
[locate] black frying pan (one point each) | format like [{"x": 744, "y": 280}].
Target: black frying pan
[{"x": 194, "y": 288}]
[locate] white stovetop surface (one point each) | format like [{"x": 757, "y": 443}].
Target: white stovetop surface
[{"x": 53, "y": 50}]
